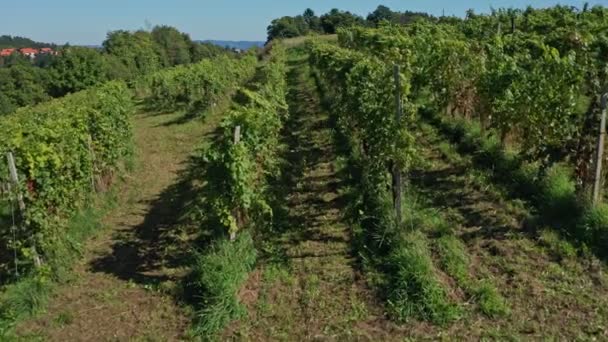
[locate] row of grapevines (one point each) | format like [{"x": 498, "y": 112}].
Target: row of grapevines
[
  {"x": 198, "y": 85},
  {"x": 363, "y": 91},
  {"x": 517, "y": 83},
  {"x": 63, "y": 149},
  {"x": 365, "y": 105},
  {"x": 237, "y": 172}
]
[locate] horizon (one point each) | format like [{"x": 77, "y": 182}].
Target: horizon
[{"x": 253, "y": 18}]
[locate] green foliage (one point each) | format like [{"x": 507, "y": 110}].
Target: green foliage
[
  {"x": 364, "y": 105},
  {"x": 237, "y": 174},
  {"x": 197, "y": 86},
  {"x": 234, "y": 195},
  {"x": 21, "y": 85},
  {"x": 131, "y": 54},
  {"x": 301, "y": 25},
  {"x": 20, "y": 42},
  {"x": 335, "y": 19},
  {"x": 288, "y": 27},
  {"x": 383, "y": 13},
  {"x": 200, "y": 51},
  {"x": 76, "y": 69},
  {"x": 174, "y": 45},
  {"x": 218, "y": 274},
  {"x": 60, "y": 148}
]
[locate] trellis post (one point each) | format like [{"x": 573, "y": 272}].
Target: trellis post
[
  {"x": 600, "y": 151},
  {"x": 397, "y": 186},
  {"x": 15, "y": 181},
  {"x": 237, "y": 139}
]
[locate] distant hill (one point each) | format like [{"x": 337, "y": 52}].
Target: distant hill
[
  {"x": 20, "y": 42},
  {"x": 243, "y": 45}
]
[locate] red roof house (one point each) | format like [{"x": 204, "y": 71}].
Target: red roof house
[
  {"x": 29, "y": 52},
  {"x": 6, "y": 52}
]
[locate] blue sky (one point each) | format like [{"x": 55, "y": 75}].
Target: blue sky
[{"x": 88, "y": 21}]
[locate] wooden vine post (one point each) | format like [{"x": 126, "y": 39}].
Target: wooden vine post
[
  {"x": 397, "y": 186},
  {"x": 600, "y": 152},
  {"x": 15, "y": 181},
  {"x": 237, "y": 139},
  {"x": 92, "y": 156}
]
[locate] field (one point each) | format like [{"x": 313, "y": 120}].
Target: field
[{"x": 389, "y": 182}]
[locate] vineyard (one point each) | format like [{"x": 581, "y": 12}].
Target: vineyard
[{"x": 440, "y": 179}]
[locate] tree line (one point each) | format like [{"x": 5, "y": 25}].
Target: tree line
[
  {"x": 309, "y": 22},
  {"x": 124, "y": 55},
  {"x": 17, "y": 42}
]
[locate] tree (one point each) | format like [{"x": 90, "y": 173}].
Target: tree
[
  {"x": 75, "y": 69},
  {"x": 200, "y": 51},
  {"x": 311, "y": 19},
  {"x": 137, "y": 52},
  {"x": 21, "y": 85},
  {"x": 336, "y": 19},
  {"x": 380, "y": 14},
  {"x": 287, "y": 27},
  {"x": 174, "y": 45}
]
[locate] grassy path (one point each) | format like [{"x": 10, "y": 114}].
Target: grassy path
[
  {"x": 123, "y": 288},
  {"x": 552, "y": 293},
  {"x": 307, "y": 286}
]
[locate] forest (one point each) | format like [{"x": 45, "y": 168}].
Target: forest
[{"x": 399, "y": 176}]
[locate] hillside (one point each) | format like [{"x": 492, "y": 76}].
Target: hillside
[
  {"x": 399, "y": 177},
  {"x": 20, "y": 42}
]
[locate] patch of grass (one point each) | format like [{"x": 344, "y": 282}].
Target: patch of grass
[
  {"x": 455, "y": 261},
  {"x": 593, "y": 225},
  {"x": 491, "y": 303},
  {"x": 558, "y": 195},
  {"x": 557, "y": 246},
  {"x": 64, "y": 318},
  {"x": 414, "y": 288},
  {"x": 358, "y": 310},
  {"x": 217, "y": 276}
]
